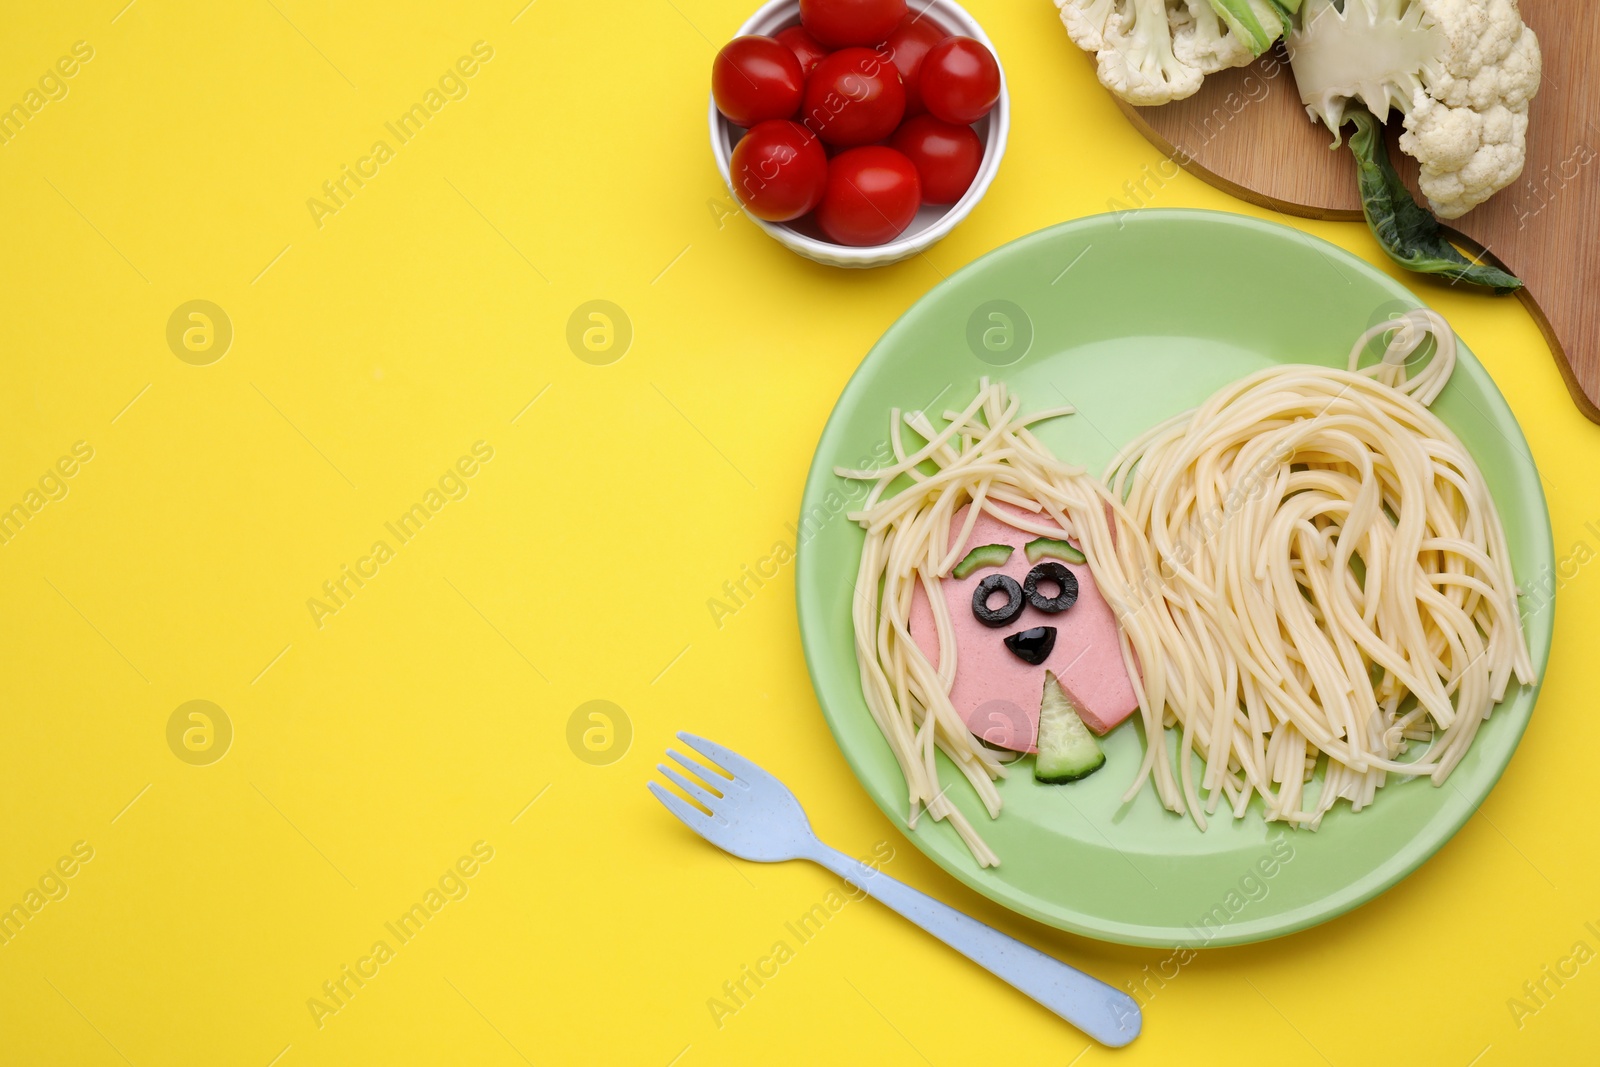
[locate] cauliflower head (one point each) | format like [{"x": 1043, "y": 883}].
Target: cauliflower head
[
  {"x": 1155, "y": 51},
  {"x": 1461, "y": 72}
]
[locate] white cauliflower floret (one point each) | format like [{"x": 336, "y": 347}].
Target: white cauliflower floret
[
  {"x": 1462, "y": 72},
  {"x": 1154, "y": 51},
  {"x": 1201, "y": 39}
]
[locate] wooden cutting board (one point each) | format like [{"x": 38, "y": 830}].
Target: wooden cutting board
[{"x": 1246, "y": 132}]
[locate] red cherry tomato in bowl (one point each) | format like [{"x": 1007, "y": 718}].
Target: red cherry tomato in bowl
[
  {"x": 779, "y": 170},
  {"x": 854, "y": 97},
  {"x": 906, "y": 48},
  {"x": 754, "y": 79},
  {"x": 947, "y": 156},
  {"x": 959, "y": 81},
  {"x": 806, "y": 48},
  {"x": 843, "y": 23},
  {"x": 872, "y": 195}
]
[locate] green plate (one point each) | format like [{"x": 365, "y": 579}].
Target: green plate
[{"x": 1133, "y": 318}]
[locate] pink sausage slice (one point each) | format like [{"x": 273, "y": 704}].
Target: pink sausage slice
[{"x": 996, "y": 693}]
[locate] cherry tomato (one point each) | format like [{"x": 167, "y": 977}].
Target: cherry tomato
[
  {"x": 905, "y": 48},
  {"x": 946, "y": 156},
  {"x": 843, "y": 23},
  {"x": 960, "y": 81},
  {"x": 872, "y": 195},
  {"x": 779, "y": 170},
  {"x": 806, "y": 48},
  {"x": 754, "y": 79},
  {"x": 854, "y": 97}
]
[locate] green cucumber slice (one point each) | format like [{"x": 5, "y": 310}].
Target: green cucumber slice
[
  {"x": 1067, "y": 750},
  {"x": 983, "y": 556},
  {"x": 1041, "y": 547}
]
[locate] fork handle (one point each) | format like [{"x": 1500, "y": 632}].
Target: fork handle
[{"x": 1108, "y": 1015}]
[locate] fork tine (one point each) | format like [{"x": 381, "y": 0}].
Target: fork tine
[
  {"x": 713, "y": 778},
  {"x": 687, "y": 813},
  {"x": 725, "y": 758},
  {"x": 693, "y": 788}
]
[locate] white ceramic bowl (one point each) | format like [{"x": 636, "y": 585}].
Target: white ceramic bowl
[{"x": 932, "y": 221}]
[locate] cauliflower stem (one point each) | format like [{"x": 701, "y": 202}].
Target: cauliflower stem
[
  {"x": 1247, "y": 25},
  {"x": 1407, "y": 231}
]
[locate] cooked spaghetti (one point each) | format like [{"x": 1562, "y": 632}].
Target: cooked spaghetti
[{"x": 1307, "y": 567}]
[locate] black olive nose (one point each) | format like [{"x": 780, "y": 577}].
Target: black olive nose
[{"x": 1032, "y": 646}]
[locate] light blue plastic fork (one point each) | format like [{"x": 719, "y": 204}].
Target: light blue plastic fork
[{"x": 757, "y": 818}]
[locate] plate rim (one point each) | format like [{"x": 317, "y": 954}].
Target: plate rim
[{"x": 1353, "y": 895}]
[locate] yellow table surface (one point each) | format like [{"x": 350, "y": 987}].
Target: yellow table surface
[{"x": 424, "y": 713}]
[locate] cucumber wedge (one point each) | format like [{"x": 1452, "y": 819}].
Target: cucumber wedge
[
  {"x": 1040, "y": 547},
  {"x": 982, "y": 556},
  {"x": 1067, "y": 750}
]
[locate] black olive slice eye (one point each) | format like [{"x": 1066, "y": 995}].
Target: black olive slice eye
[
  {"x": 997, "y": 583},
  {"x": 1066, "y": 587},
  {"x": 1033, "y": 646}
]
